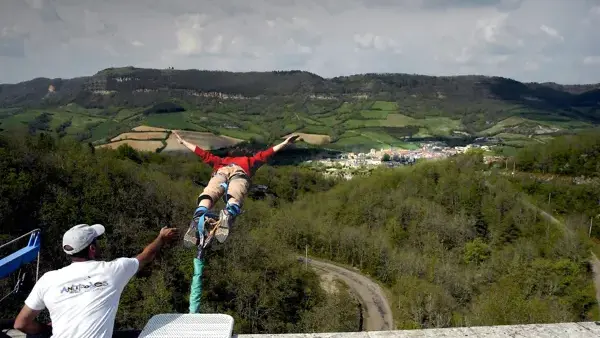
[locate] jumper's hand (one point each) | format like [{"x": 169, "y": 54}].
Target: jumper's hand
[
  {"x": 179, "y": 139},
  {"x": 291, "y": 139}
]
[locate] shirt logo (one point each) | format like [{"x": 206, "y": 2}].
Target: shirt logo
[{"x": 78, "y": 288}]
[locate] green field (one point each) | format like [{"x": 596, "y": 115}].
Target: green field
[
  {"x": 357, "y": 124},
  {"x": 316, "y": 130},
  {"x": 124, "y": 114},
  {"x": 360, "y": 122},
  {"x": 399, "y": 120},
  {"x": 374, "y": 114},
  {"x": 238, "y": 133},
  {"x": 108, "y": 129},
  {"x": 386, "y": 106},
  {"x": 170, "y": 121}
]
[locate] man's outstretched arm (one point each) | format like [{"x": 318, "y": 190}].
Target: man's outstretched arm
[
  {"x": 150, "y": 251},
  {"x": 206, "y": 156}
]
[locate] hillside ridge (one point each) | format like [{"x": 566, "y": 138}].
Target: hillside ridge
[{"x": 367, "y": 110}]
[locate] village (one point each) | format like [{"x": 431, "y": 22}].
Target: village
[{"x": 348, "y": 164}]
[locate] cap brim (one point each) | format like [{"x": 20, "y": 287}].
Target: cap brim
[{"x": 99, "y": 229}]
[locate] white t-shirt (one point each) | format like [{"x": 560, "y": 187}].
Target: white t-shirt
[{"x": 83, "y": 297}]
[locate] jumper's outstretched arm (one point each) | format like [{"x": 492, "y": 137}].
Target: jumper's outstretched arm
[
  {"x": 206, "y": 156},
  {"x": 285, "y": 143},
  {"x": 187, "y": 144}
]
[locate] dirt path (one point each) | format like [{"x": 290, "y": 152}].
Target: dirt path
[{"x": 377, "y": 314}]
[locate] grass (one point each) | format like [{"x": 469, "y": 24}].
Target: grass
[
  {"x": 20, "y": 119},
  {"x": 516, "y": 140},
  {"x": 374, "y": 114},
  {"x": 441, "y": 125},
  {"x": 239, "y": 133},
  {"x": 315, "y": 130},
  {"x": 399, "y": 120},
  {"x": 311, "y": 121},
  {"x": 357, "y": 124},
  {"x": 534, "y": 119},
  {"x": 169, "y": 121},
  {"x": 500, "y": 126},
  {"x": 423, "y": 132},
  {"x": 364, "y": 117},
  {"x": 350, "y": 139},
  {"x": 291, "y": 127},
  {"x": 107, "y": 129},
  {"x": 124, "y": 114},
  {"x": 79, "y": 122},
  {"x": 380, "y": 137},
  {"x": 331, "y": 120},
  {"x": 346, "y": 107},
  {"x": 407, "y": 145},
  {"x": 385, "y": 106}
]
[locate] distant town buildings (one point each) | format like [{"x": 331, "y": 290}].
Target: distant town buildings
[{"x": 393, "y": 157}]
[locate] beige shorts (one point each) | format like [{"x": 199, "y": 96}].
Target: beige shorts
[{"x": 238, "y": 186}]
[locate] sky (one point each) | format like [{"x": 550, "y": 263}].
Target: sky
[{"x": 527, "y": 40}]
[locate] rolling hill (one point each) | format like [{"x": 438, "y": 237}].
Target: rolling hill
[{"x": 358, "y": 111}]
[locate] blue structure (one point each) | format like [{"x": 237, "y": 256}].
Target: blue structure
[{"x": 26, "y": 255}]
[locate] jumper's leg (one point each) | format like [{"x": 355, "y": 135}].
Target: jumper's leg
[
  {"x": 210, "y": 194},
  {"x": 236, "y": 192}
]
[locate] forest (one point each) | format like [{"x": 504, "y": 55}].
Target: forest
[
  {"x": 54, "y": 184},
  {"x": 562, "y": 177},
  {"x": 450, "y": 242},
  {"x": 571, "y": 155}
]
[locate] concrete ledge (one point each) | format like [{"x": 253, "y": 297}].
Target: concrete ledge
[
  {"x": 583, "y": 330},
  {"x": 570, "y": 330}
]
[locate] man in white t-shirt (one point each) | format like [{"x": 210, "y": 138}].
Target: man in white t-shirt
[{"x": 83, "y": 297}]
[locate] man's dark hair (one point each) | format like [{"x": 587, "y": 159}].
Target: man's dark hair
[{"x": 83, "y": 253}]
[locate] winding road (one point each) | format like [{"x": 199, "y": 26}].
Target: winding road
[
  {"x": 593, "y": 260},
  {"x": 377, "y": 314}
]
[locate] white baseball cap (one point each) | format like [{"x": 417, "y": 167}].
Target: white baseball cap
[{"x": 80, "y": 236}]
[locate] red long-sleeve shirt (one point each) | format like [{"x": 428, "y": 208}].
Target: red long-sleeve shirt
[{"x": 249, "y": 163}]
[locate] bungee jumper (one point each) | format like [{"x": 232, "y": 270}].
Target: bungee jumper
[{"x": 231, "y": 180}]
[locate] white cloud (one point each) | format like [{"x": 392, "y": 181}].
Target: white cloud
[
  {"x": 216, "y": 45},
  {"x": 591, "y": 60},
  {"x": 377, "y": 42},
  {"x": 188, "y": 31},
  {"x": 329, "y": 37},
  {"x": 551, "y": 32}
]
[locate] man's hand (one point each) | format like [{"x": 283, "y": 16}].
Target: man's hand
[
  {"x": 150, "y": 251},
  {"x": 168, "y": 234}
]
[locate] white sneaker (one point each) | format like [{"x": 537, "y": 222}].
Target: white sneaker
[
  {"x": 190, "y": 238},
  {"x": 224, "y": 222}
]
